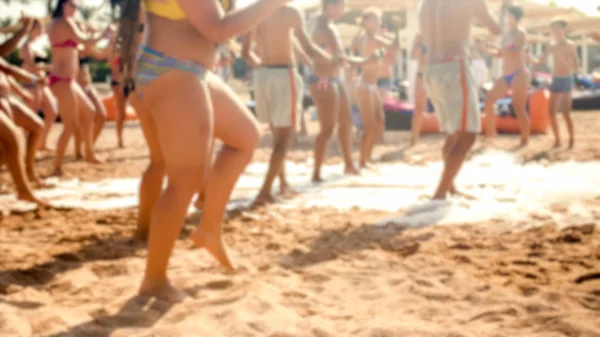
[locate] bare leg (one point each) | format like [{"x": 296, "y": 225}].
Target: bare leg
[
  {"x": 100, "y": 113},
  {"x": 282, "y": 138},
  {"x": 66, "y": 95},
  {"x": 379, "y": 119},
  {"x": 121, "y": 103},
  {"x": 237, "y": 128},
  {"x": 28, "y": 120},
  {"x": 50, "y": 109},
  {"x": 12, "y": 150},
  {"x": 153, "y": 177},
  {"x": 455, "y": 158},
  {"x": 369, "y": 136},
  {"x": 568, "y": 99},
  {"x": 184, "y": 165},
  {"x": 87, "y": 114},
  {"x": 497, "y": 92},
  {"x": 345, "y": 130},
  {"x": 420, "y": 107},
  {"x": 326, "y": 102},
  {"x": 303, "y": 130},
  {"x": 520, "y": 89},
  {"x": 552, "y": 113}
]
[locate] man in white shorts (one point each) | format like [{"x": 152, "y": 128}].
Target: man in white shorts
[
  {"x": 278, "y": 88},
  {"x": 446, "y": 29}
]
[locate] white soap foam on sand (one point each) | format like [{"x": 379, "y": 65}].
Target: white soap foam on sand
[{"x": 503, "y": 188}]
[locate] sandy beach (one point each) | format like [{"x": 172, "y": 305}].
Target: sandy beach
[{"x": 361, "y": 256}]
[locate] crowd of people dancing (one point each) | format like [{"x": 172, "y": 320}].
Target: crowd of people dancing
[{"x": 162, "y": 55}]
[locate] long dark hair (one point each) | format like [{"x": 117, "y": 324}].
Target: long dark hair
[
  {"x": 58, "y": 10},
  {"x": 127, "y": 38}
]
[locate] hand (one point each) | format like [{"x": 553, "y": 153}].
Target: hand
[
  {"x": 27, "y": 22},
  {"x": 41, "y": 81}
]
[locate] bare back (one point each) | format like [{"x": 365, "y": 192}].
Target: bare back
[
  {"x": 274, "y": 43},
  {"x": 446, "y": 28}
]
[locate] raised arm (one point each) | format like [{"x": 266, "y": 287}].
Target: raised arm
[
  {"x": 82, "y": 36},
  {"x": 212, "y": 21},
  {"x": 485, "y": 17},
  {"x": 11, "y": 44},
  {"x": 306, "y": 43},
  {"x": 247, "y": 52}
]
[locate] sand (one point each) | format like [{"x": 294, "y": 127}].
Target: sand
[{"x": 521, "y": 260}]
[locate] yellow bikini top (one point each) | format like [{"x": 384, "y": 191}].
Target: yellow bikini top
[{"x": 170, "y": 9}]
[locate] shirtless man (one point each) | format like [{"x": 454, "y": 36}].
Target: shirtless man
[
  {"x": 566, "y": 62},
  {"x": 328, "y": 92},
  {"x": 446, "y": 28},
  {"x": 278, "y": 86}
]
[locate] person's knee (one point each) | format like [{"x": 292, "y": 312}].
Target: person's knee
[
  {"x": 465, "y": 140},
  {"x": 155, "y": 168},
  {"x": 327, "y": 131},
  {"x": 187, "y": 180},
  {"x": 100, "y": 117}
]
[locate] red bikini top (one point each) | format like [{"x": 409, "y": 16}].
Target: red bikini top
[{"x": 70, "y": 43}]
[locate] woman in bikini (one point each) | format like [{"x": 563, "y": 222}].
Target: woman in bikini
[
  {"x": 65, "y": 38},
  {"x": 36, "y": 61},
  {"x": 369, "y": 100},
  {"x": 418, "y": 53},
  {"x": 181, "y": 107},
  {"x": 390, "y": 58},
  {"x": 516, "y": 75}
]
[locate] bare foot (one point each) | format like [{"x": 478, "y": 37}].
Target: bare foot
[
  {"x": 287, "y": 192},
  {"x": 571, "y": 144},
  {"x": 351, "y": 170},
  {"x": 455, "y": 192},
  {"x": 26, "y": 196},
  {"x": 413, "y": 142},
  {"x": 524, "y": 142},
  {"x": 263, "y": 199},
  {"x": 317, "y": 179},
  {"x": 58, "y": 172},
  {"x": 93, "y": 160},
  {"x": 365, "y": 166},
  {"x": 165, "y": 291},
  {"x": 213, "y": 244},
  {"x": 556, "y": 144},
  {"x": 78, "y": 156},
  {"x": 120, "y": 145}
]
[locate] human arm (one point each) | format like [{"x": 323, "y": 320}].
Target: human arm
[
  {"x": 18, "y": 73},
  {"x": 19, "y": 90},
  {"x": 301, "y": 54},
  {"x": 80, "y": 35},
  {"x": 11, "y": 44},
  {"x": 306, "y": 44},
  {"x": 483, "y": 48},
  {"x": 595, "y": 36},
  {"x": 247, "y": 53},
  {"x": 483, "y": 14},
  {"x": 544, "y": 58},
  {"x": 576, "y": 60},
  {"x": 209, "y": 18}
]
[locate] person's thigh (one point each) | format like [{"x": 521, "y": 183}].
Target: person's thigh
[
  {"x": 25, "y": 117},
  {"x": 326, "y": 102}
]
